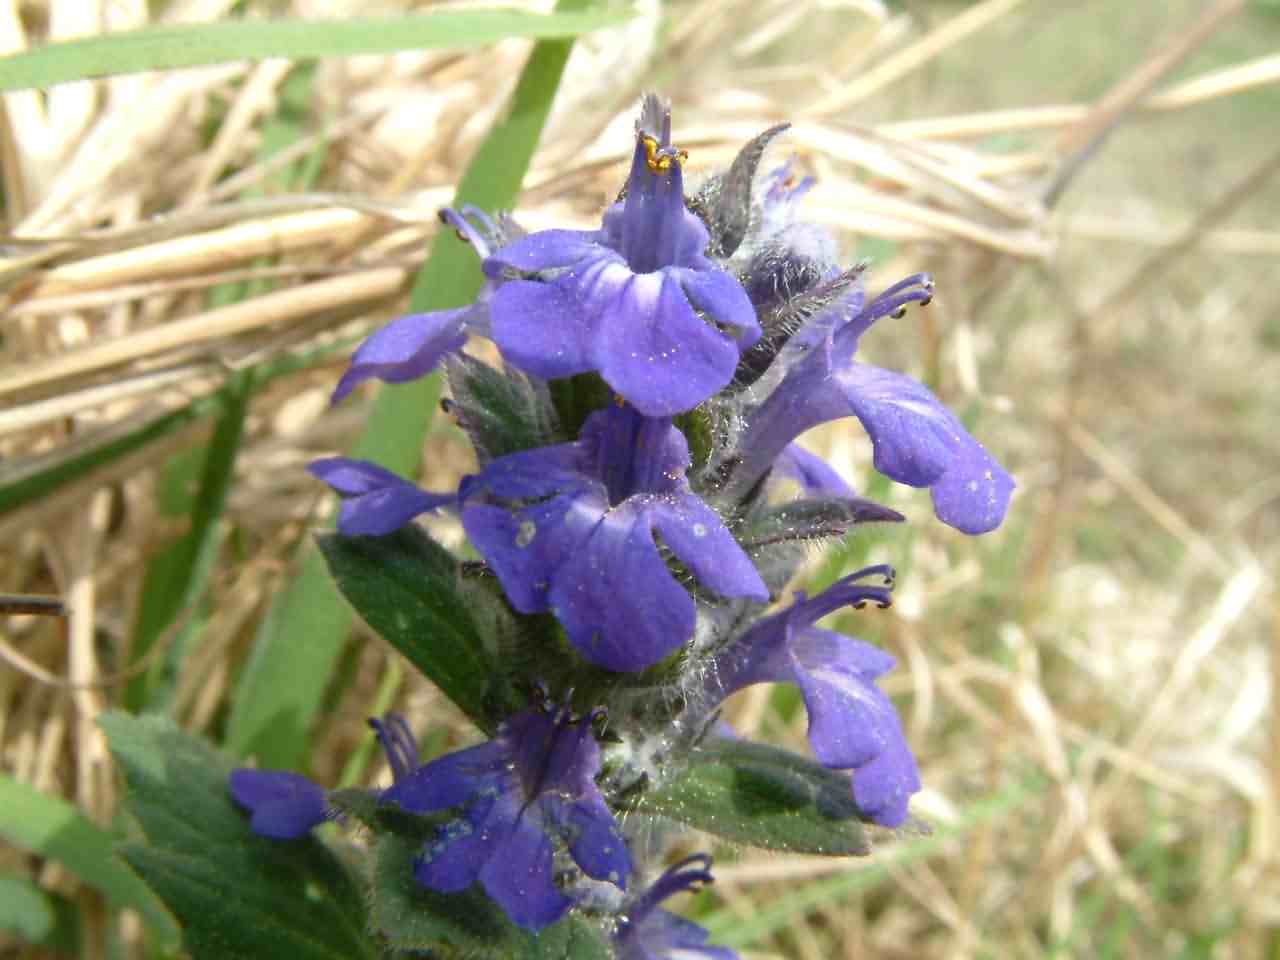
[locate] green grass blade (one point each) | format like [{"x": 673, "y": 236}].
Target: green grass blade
[
  {"x": 294, "y": 656},
  {"x": 25, "y": 485},
  {"x": 297, "y": 649},
  {"x": 200, "y": 44},
  {"x": 176, "y": 578},
  {"x": 50, "y": 827}
]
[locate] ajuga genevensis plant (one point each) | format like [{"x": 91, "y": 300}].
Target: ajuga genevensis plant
[{"x": 639, "y": 508}]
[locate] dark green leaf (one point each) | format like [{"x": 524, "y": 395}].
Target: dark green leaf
[
  {"x": 576, "y": 398},
  {"x": 763, "y": 796},
  {"x": 407, "y": 587},
  {"x": 50, "y": 827},
  {"x": 235, "y": 894},
  {"x": 466, "y": 924},
  {"x": 198, "y": 44},
  {"x": 224, "y": 917}
]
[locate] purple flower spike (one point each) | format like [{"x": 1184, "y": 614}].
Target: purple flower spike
[
  {"x": 570, "y": 529},
  {"x": 520, "y": 793},
  {"x": 637, "y": 300},
  {"x": 412, "y": 346},
  {"x": 852, "y": 724},
  {"x": 375, "y": 501},
  {"x": 647, "y": 932},
  {"x": 915, "y": 439},
  {"x": 284, "y": 805}
]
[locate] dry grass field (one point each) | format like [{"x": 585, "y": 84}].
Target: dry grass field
[{"x": 190, "y": 256}]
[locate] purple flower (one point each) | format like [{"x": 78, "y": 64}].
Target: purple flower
[
  {"x": 647, "y": 932},
  {"x": 285, "y": 805},
  {"x": 852, "y": 724},
  {"x": 530, "y": 787},
  {"x": 412, "y": 346},
  {"x": 915, "y": 439},
  {"x": 570, "y": 529},
  {"x": 375, "y": 500},
  {"x": 637, "y": 300}
]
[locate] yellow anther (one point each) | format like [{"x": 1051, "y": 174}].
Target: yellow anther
[{"x": 655, "y": 163}]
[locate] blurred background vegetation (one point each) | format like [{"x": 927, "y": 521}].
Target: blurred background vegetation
[{"x": 191, "y": 254}]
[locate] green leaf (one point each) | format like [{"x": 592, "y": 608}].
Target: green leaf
[
  {"x": 50, "y": 827},
  {"x": 406, "y": 586},
  {"x": 200, "y": 44},
  {"x": 411, "y": 917},
  {"x": 235, "y": 894},
  {"x": 577, "y": 397},
  {"x": 763, "y": 796},
  {"x": 296, "y": 651}
]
